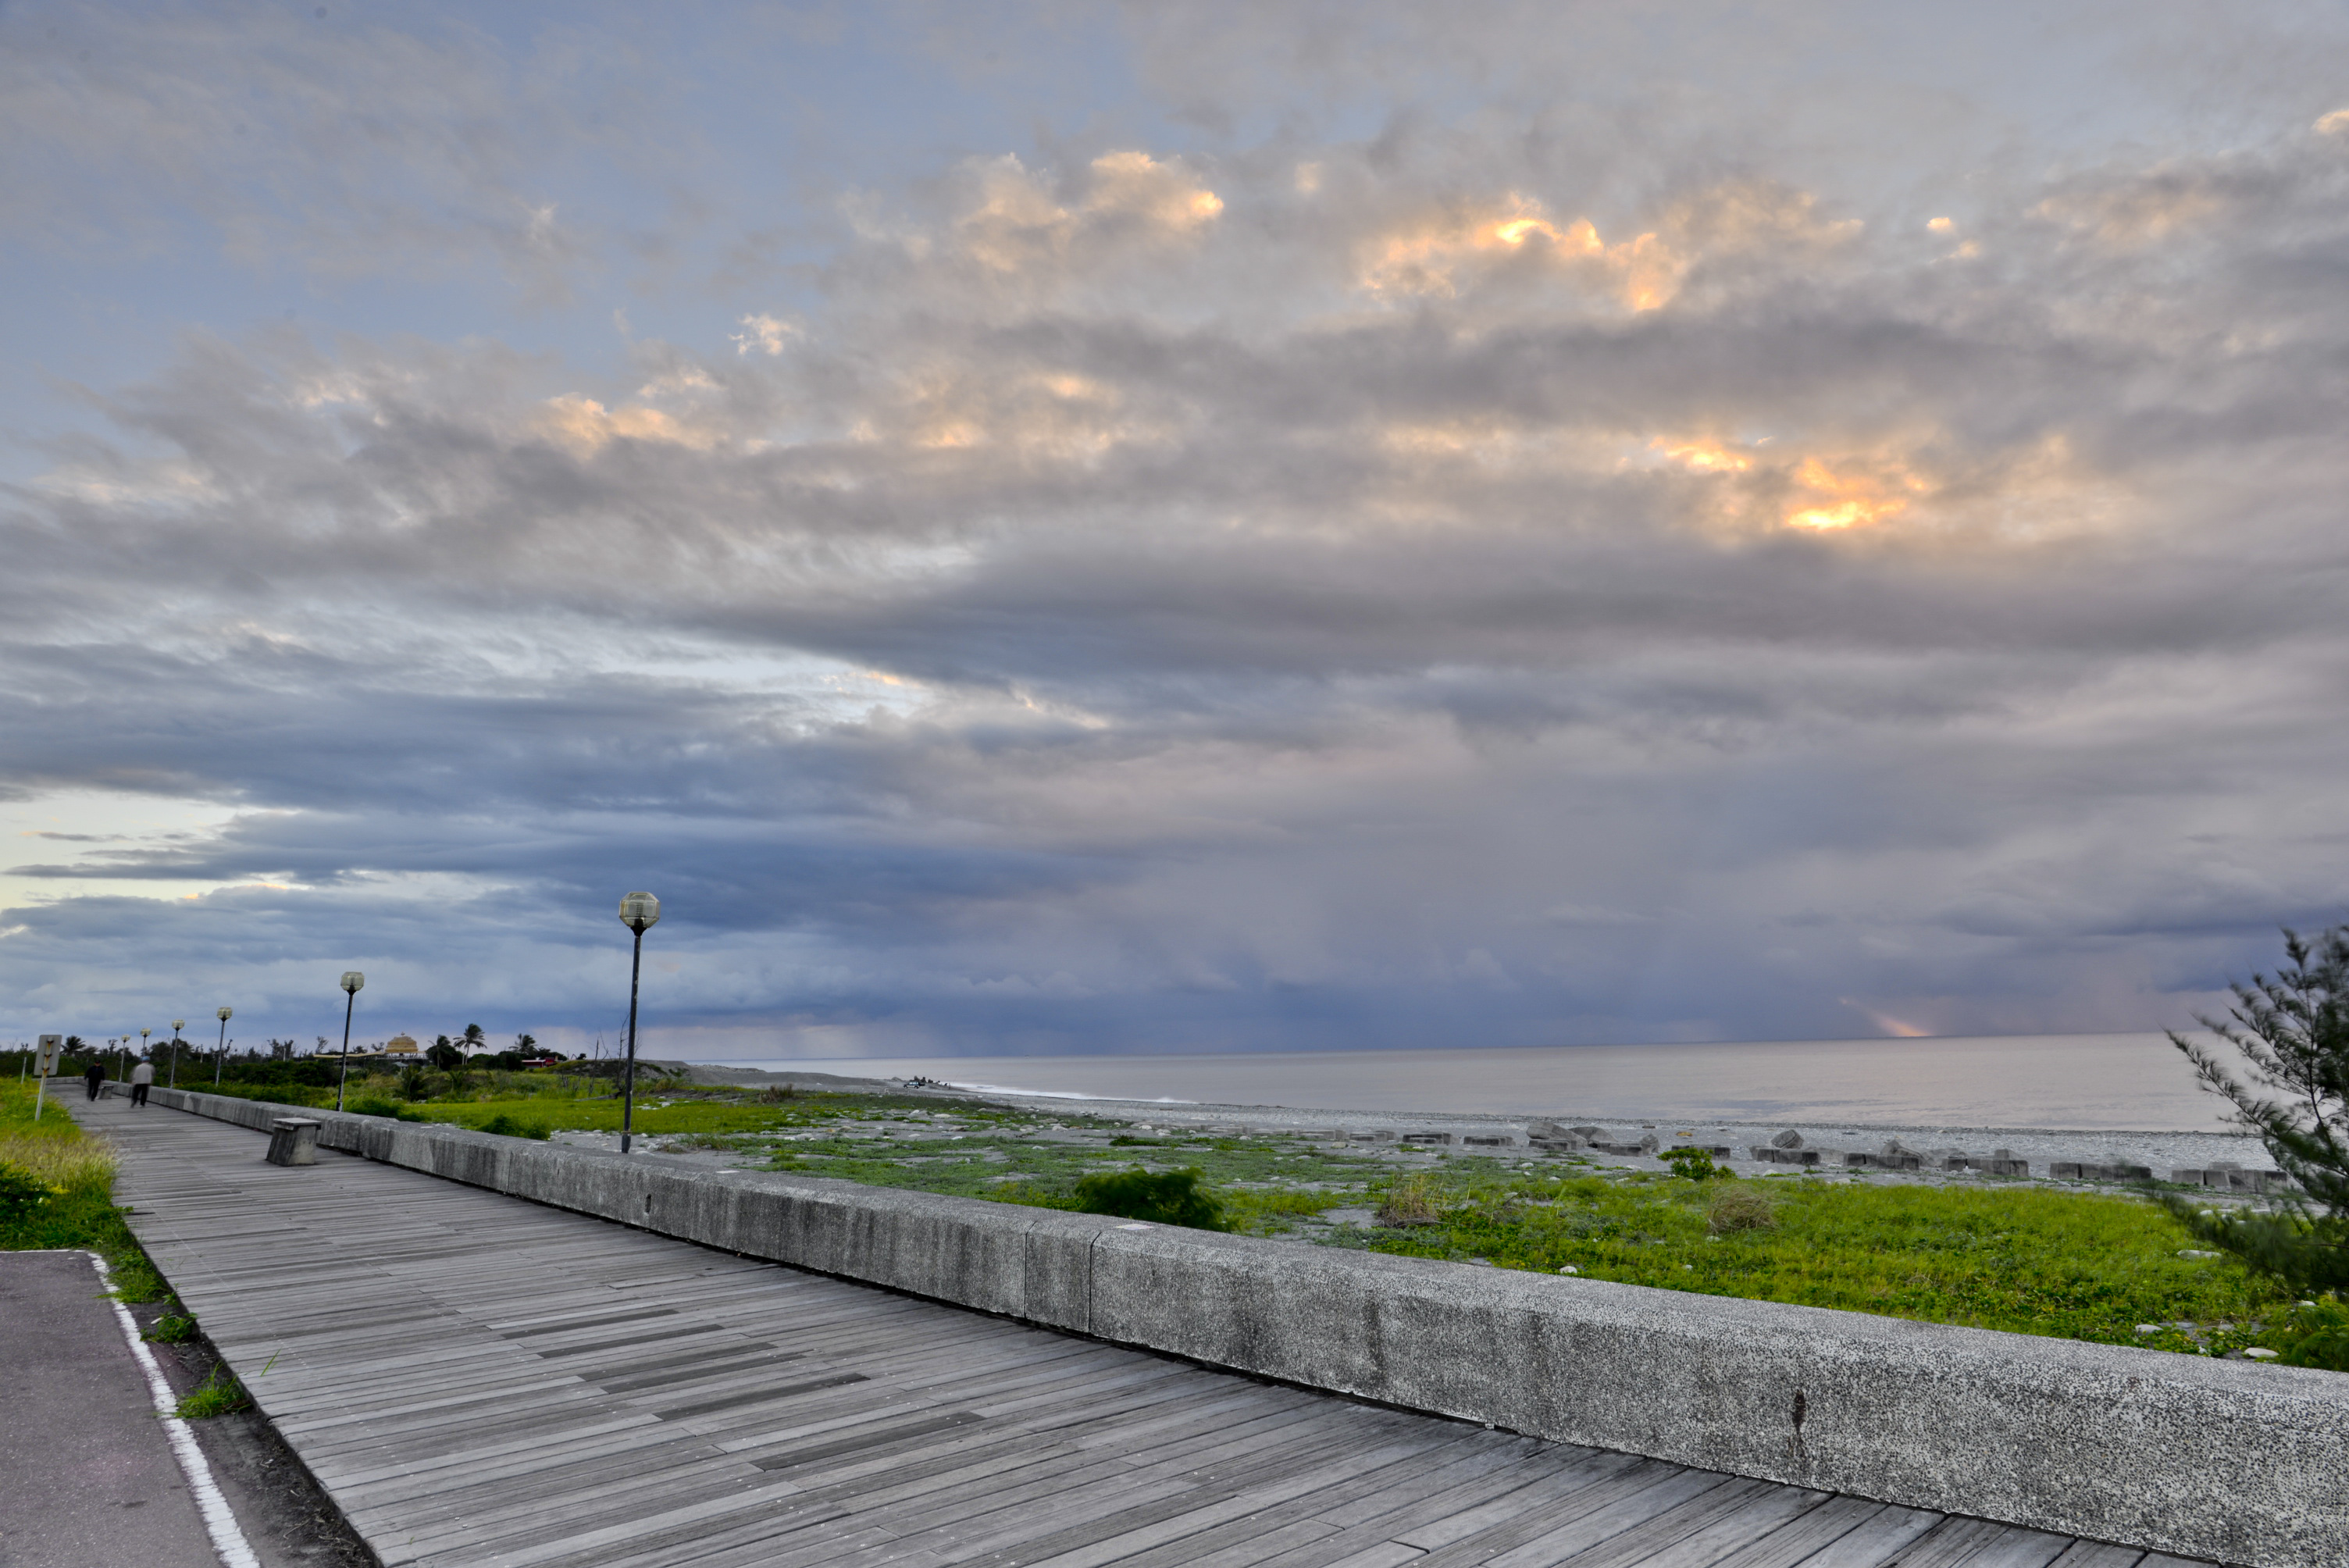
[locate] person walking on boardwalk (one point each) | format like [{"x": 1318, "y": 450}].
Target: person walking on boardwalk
[
  {"x": 140, "y": 1077},
  {"x": 94, "y": 1074}
]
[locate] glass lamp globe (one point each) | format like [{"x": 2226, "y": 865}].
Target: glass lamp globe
[
  {"x": 640, "y": 912},
  {"x": 353, "y": 980},
  {"x": 225, "y": 1014}
]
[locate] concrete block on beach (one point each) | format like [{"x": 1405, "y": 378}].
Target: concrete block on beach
[
  {"x": 2084, "y": 1171},
  {"x": 1607, "y": 1145},
  {"x": 1773, "y": 1154},
  {"x": 2233, "y": 1178},
  {"x": 1427, "y": 1138}
]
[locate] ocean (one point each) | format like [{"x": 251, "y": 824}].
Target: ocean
[{"x": 2087, "y": 1082}]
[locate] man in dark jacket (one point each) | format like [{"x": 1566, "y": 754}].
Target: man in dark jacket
[{"x": 94, "y": 1074}]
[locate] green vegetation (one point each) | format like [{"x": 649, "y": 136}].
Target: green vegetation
[
  {"x": 2294, "y": 1031},
  {"x": 174, "y": 1328},
  {"x": 218, "y": 1394},
  {"x": 59, "y": 1185},
  {"x": 2017, "y": 1258},
  {"x": 1163, "y": 1197}
]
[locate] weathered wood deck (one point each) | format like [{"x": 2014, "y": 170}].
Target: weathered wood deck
[{"x": 480, "y": 1381}]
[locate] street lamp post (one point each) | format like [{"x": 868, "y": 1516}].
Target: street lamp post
[
  {"x": 352, "y": 981},
  {"x": 640, "y": 912},
  {"x": 142, "y": 1042},
  {"x": 172, "y": 1081},
  {"x": 221, "y": 1056}
]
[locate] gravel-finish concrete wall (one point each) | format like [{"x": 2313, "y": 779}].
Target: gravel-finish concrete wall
[{"x": 2234, "y": 1461}]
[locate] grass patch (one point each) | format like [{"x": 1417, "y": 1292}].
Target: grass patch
[
  {"x": 219, "y": 1394},
  {"x": 74, "y": 1203},
  {"x": 2029, "y": 1261},
  {"x": 173, "y": 1328}
]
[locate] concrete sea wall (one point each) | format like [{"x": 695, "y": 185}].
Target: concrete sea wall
[{"x": 2234, "y": 1461}]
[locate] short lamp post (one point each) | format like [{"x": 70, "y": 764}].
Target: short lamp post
[
  {"x": 221, "y": 1056},
  {"x": 352, "y": 981},
  {"x": 172, "y": 1079},
  {"x": 640, "y": 912}
]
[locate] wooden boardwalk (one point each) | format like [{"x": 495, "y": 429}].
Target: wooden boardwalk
[{"x": 480, "y": 1381}]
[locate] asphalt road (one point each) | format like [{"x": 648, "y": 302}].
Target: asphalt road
[{"x": 87, "y": 1475}]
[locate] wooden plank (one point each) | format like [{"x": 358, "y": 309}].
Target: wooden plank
[
  {"x": 1699, "y": 1534},
  {"x": 1957, "y": 1542},
  {"x": 1799, "y": 1541},
  {"x": 2099, "y": 1554}
]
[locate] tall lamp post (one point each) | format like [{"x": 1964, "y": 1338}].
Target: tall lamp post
[
  {"x": 221, "y": 1056},
  {"x": 640, "y": 912},
  {"x": 172, "y": 1081},
  {"x": 142, "y": 1042},
  {"x": 352, "y": 981}
]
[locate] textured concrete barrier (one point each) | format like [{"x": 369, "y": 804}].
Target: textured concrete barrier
[{"x": 2243, "y": 1462}]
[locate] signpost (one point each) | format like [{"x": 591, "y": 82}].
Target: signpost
[{"x": 50, "y": 1046}]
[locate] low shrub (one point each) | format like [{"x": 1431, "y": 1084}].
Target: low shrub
[
  {"x": 372, "y": 1106},
  {"x": 1739, "y": 1206},
  {"x": 1162, "y": 1197},
  {"x": 2315, "y": 1334},
  {"x": 508, "y": 1127},
  {"x": 1693, "y": 1164},
  {"x": 1413, "y": 1201}
]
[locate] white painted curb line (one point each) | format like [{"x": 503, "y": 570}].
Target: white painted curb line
[{"x": 228, "y": 1540}]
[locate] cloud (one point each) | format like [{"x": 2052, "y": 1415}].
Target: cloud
[{"x": 1517, "y": 584}]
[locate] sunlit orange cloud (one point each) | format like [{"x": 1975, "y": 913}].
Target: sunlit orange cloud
[
  {"x": 1704, "y": 457},
  {"x": 585, "y": 426},
  {"x": 1899, "y": 1029},
  {"x": 1857, "y": 492},
  {"x": 1847, "y": 500},
  {"x": 1017, "y": 222},
  {"x": 1425, "y": 257}
]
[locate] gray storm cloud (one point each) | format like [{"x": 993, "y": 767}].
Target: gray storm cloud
[{"x": 1477, "y": 578}]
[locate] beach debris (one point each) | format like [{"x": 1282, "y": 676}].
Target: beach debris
[
  {"x": 1790, "y": 1138},
  {"x": 1569, "y": 1269},
  {"x": 2191, "y": 1252},
  {"x": 2259, "y": 1353}
]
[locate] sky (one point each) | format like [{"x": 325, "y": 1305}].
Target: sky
[{"x": 1074, "y": 527}]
